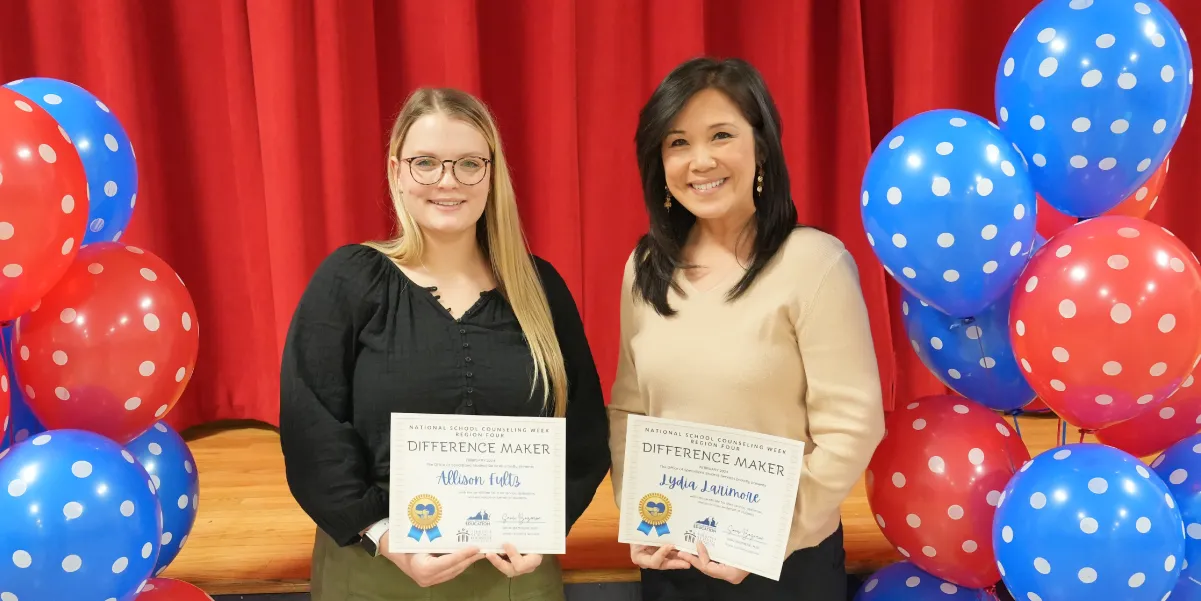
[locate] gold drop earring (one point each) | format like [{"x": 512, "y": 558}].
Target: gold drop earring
[{"x": 667, "y": 198}]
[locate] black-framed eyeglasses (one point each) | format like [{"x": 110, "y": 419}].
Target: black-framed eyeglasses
[{"x": 469, "y": 170}]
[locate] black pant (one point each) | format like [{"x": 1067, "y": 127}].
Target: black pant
[{"x": 812, "y": 574}]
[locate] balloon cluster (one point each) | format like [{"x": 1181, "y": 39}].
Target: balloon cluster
[
  {"x": 1096, "y": 321},
  {"x": 99, "y": 340}
]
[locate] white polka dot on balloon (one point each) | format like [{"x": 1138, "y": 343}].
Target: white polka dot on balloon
[
  {"x": 937, "y": 464},
  {"x": 1067, "y": 308},
  {"x": 81, "y": 469},
  {"x": 941, "y": 186},
  {"x": 1120, "y": 313},
  {"x": 72, "y": 510},
  {"x": 72, "y": 563},
  {"x": 984, "y": 186},
  {"x": 1166, "y": 323},
  {"x": 893, "y": 195},
  {"x": 1042, "y": 565}
]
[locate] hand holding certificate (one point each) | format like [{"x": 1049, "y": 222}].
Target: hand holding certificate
[
  {"x": 460, "y": 481},
  {"x": 733, "y": 491}
]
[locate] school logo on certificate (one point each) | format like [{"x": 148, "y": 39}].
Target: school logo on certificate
[
  {"x": 655, "y": 510},
  {"x": 424, "y": 513}
]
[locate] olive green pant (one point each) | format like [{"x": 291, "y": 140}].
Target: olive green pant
[{"x": 350, "y": 574}]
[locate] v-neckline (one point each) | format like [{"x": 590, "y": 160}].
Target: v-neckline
[
  {"x": 428, "y": 294},
  {"x": 722, "y": 282}
]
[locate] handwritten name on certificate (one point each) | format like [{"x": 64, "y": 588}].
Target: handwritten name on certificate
[
  {"x": 473, "y": 480},
  {"x": 733, "y": 490}
]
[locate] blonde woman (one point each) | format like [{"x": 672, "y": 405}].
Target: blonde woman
[{"x": 452, "y": 316}]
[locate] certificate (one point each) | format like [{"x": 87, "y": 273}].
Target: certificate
[
  {"x": 471, "y": 480},
  {"x": 733, "y": 490}
]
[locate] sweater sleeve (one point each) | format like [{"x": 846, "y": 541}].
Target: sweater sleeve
[
  {"x": 326, "y": 462},
  {"x": 587, "y": 424},
  {"x": 625, "y": 397},
  {"x": 844, "y": 400}
]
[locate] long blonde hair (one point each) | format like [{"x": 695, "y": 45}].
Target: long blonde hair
[{"x": 502, "y": 237}]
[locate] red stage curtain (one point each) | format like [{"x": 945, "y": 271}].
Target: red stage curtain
[{"x": 260, "y": 128}]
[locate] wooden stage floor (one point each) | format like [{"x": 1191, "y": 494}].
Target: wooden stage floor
[{"x": 251, "y": 537}]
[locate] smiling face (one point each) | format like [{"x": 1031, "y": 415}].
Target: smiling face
[
  {"x": 709, "y": 157},
  {"x": 436, "y": 199}
]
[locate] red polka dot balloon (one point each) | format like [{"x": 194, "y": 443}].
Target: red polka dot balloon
[
  {"x": 935, "y": 481},
  {"x": 1159, "y": 427},
  {"x": 43, "y": 203},
  {"x": 111, "y": 347},
  {"x": 170, "y": 589},
  {"x": 1105, "y": 319}
]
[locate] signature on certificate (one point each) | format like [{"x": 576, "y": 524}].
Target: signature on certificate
[{"x": 520, "y": 518}]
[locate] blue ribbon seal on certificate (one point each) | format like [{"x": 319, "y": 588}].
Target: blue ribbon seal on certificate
[
  {"x": 655, "y": 510},
  {"x": 424, "y": 513}
]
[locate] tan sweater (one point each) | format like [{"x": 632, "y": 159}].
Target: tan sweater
[{"x": 792, "y": 357}]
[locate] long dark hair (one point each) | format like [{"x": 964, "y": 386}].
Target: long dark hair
[{"x": 657, "y": 255}]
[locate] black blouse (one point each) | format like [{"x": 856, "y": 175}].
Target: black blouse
[{"x": 366, "y": 341}]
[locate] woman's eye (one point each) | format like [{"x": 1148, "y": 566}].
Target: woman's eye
[
  {"x": 677, "y": 142},
  {"x": 721, "y": 135}
]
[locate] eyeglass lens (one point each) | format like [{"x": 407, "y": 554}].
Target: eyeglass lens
[{"x": 428, "y": 170}]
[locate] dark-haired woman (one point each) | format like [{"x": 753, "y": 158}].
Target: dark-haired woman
[{"x": 732, "y": 314}]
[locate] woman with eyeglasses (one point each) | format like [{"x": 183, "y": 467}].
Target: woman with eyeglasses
[
  {"x": 732, "y": 314},
  {"x": 453, "y": 315}
]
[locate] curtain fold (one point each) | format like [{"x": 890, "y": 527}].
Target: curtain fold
[{"x": 260, "y": 128}]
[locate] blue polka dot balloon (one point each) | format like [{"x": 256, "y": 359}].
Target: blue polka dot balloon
[
  {"x": 903, "y": 581},
  {"x": 973, "y": 358},
  {"x": 1180, "y": 466},
  {"x": 948, "y": 207},
  {"x": 81, "y": 519},
  {"x": 1094, "y": 93},
  {"x": 104, "y": 147},
  {"x": 172, "y": 468},
  {"x": 1088, "y": 521}
]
